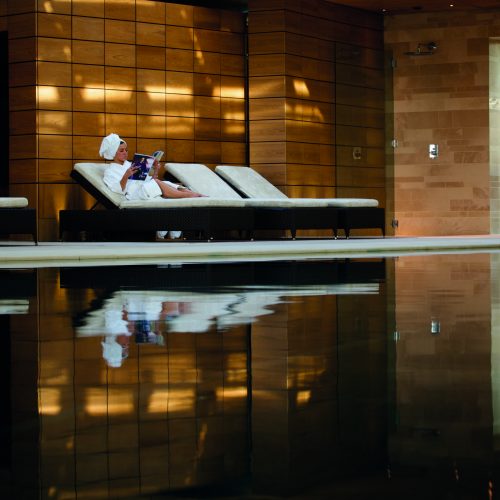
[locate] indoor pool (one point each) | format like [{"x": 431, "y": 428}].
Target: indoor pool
[{"x": 347, "y": 379}]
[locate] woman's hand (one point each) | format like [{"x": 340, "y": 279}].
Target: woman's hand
[
  {"x": 130, "y": 170},
  {"x": 156, "y": 169}
]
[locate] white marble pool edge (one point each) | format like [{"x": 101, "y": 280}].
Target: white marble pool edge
[{"x": 52, "y": 254}]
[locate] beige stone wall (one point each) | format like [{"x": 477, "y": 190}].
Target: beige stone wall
[
  {"x": 442, "y": 99},
  {"x": 494, "y": 101}
]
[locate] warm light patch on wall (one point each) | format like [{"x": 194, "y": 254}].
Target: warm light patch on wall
[
  {"x": 92, "y": 95},
  {"x": 235, "y": 129},
  {"x": 222, "y": 393},
  {"x": 304, "y": 111},
  {"x": 158, "y": 401},
  {"x": 198, "y": 55},
  {"x": 234, "y": 92},
  {"x": 156, "y": 89},
  {"x": 119, "y": 96},
  {"x": 234, "y": 115},
  {"x": 177, "y": 89},
  {"x": 49, "y": 401},
  {"x": 236, "y": 368},
  {"x": 180, "y": 128},
  {"x": 98, "y": 402},
  {"x": 47, "y": 7},
  {"x": 181, "y": 400},
  {"x": 308, "y": 370},
  {"x": 301, "y": 89},
  {"x": 58, "y": 376},
  {"x": 303, "y": 397},
  {"x": 47, "y": 95}
]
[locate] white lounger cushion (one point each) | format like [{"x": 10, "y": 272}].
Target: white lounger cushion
[
  {"x": 249, "y": 182},
  {"x": 200, "y": 178},
  {"x": 13, "y": 202},
  {"x": 94, "y": 173}
]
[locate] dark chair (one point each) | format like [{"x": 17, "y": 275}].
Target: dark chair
[{"x": 17, "y": 218}]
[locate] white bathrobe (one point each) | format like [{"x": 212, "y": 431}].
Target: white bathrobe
[{"x": 134, "y": 189}]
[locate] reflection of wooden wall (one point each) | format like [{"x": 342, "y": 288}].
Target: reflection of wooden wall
[
  {"x": 161, "y": 75},
  {"x": 172, "y": 416},
  {"x": 316, "y": 92}
]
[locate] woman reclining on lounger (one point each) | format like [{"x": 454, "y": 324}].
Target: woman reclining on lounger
[{"x": 117, "y": 175}]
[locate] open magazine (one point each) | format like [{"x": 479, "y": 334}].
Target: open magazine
[{"x": 145, "y": 164}]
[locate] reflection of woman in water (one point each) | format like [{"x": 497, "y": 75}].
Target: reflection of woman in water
[
  {"x": 115, "y": 349},
  {"x": 115, "y": 346}
]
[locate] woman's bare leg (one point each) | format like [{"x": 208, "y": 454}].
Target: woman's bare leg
[{"x": 171, "y": 192}]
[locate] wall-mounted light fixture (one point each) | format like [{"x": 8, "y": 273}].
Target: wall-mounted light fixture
[
  {"x": 435, "y": 327},
  {"x": 423, "y": 49}
]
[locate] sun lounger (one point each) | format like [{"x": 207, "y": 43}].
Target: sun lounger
[
  {"x": 270, "y": 212},
  {"x": 352, "y": 213},
  {"x": 16, "y": 217},
  {"x": 205, "y": 215}
]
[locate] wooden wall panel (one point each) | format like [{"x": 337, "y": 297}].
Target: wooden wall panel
[
  {"x": 54, "y": 170},
  {"x": 89, "y": 123},
  {"x": 23, "y": 97},
  {"x": 56, "y": 98},
  {"x": 179, "y": 15},
  {"x": 150, "y": 34},
  {"x": 54, "y": 146},
  {"x": 119, "y": 31},
  {"x": 54, "y": 122},
  {"x": 233, "y": 153},
  {"x": 179, "y": 150},
  {"x": 23, "y": 50},
  {"x": 117, "y": 54},
  {"x": 150, "y": 12},
  {"x": 22, "y": 122},
  {"x": 92, "y": 9},
  {"x": 22, "y": 146},
  {"x": 22, "y": 74},
  {"x": 179, "y": 37},
  {"x": 84, "y": 52},
  {"x": 151, "y": 103},
  {"x": 180, "y": 105},
  {"x": 161, "y": 75},
  {"x": 118, "y": 78},
  {"x": 207, "y": 152},
  {"x": 330, "y": 70},
  {"x": 22, "y": 25},
  {"x": 120, "y": 9},
  {"x": 88, "y": 99},
  {"x": 179, "y": 59},
  {"x": 87, "y": 28},
  {"x": 23, "y": 171},
  {"x": 54, "y": 7}
]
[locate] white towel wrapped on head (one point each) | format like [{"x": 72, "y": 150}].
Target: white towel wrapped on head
[{"x": 109, "y": 146}]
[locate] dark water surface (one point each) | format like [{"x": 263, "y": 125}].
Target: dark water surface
[{"x": 346, "y": 379}]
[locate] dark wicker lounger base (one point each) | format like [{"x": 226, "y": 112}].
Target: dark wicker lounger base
[
  {"x": 361, "y": 218},
  {"x": 333, "y": 218},
  {"x": 130, "y": 222},
  {"x": 294, "y": 218},
  {"x": 18, "y": 221}
]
